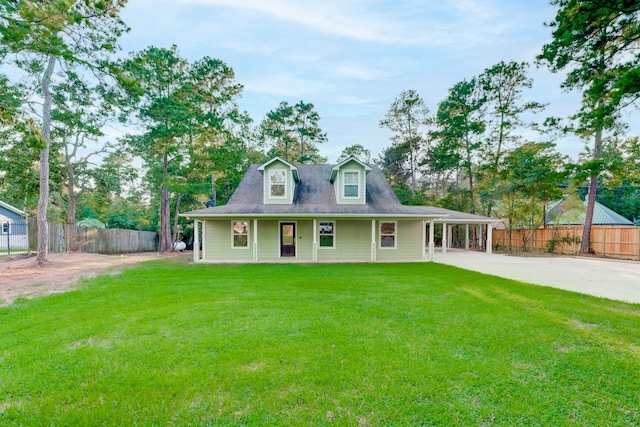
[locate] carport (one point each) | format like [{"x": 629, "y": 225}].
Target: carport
[{"x": 482, "y": 225}]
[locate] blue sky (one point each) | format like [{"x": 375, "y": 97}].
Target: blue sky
[{"x": 351, "y": 58}]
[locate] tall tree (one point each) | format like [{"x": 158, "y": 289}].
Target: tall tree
[
  {"x": 45, "y": 34},
  {"x": 531, "y": 174},
  {"x": 177, "y": 104},
  {"x": 293, "y": 131},
  {"x": 459, "y": 123},
  {"x": 276, "y": 130},
  {"x": 598, "y": 42},
  {"x": 10, "y": 101},
  {"x": 406, "y": 117},
  {"x": 79, "y": 113},
  {"x": 502, "y": 87},
  {"x": 356, "y": 150}
]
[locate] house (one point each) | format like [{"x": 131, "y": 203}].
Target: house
[
  {"x": 13, "y": 228},
  {"x": 345, "y": 212},
  {"x": 571, "y": 211}
]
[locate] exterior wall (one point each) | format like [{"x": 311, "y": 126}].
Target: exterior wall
[
  {"x": 269, "y": 239},
  {"x": 338, "y": 184},
  {"x": 289, "y": 187},
  {"x": 352, "y": 241},
  {"x": 7, "y": 215},
  {"x": 408, "y": 242},
  {"x": 304, "y": 240},
  {"x": 217, "y": 242}
]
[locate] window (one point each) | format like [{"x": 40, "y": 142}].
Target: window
[
  {"x": 351, "y": 184},
  {"x": 240, "y": 234},
  {"x": 327, "y": 234},
  {"x": 388, "y": 234},
  {"x": 6, "y": 228},
  {"x": 277, "y": 182}
]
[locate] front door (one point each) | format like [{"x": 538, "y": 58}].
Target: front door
[{"x": 287, "y": 239}]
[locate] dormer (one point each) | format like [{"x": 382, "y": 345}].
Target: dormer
[
  {"x": 349, "y": 179},
  {"x": 279, "y": 181}
]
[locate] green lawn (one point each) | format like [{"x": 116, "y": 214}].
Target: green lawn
[{"x": 304, "y": 345}]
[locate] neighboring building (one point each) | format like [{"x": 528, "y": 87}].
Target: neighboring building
[
  {"x": 571, "y": 211},
  {"x": 343, "y": 212},
  {"x": 13, "y": 228}
]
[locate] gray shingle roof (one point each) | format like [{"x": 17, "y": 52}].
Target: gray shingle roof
[{"x": 314, "y": 195}]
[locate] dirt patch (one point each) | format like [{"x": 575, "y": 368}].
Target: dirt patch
[{"x": 20, "y": 276}]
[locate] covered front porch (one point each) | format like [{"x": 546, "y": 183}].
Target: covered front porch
[{"x": 320, "y": 239}]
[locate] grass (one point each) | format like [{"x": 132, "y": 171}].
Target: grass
[{"x": 361, "y": 344}]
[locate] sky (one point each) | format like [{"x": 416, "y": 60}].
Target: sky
[{"x": 352, "y": 58}]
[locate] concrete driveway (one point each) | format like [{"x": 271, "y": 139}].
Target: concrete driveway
[{"x": 614, "y": 279}]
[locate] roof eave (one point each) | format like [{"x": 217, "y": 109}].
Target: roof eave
[
  {"x": 314, "y": 215},
  {"x": 12, "y": 209}
]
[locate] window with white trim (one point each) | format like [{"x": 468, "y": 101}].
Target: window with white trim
[
  {"x": 6, "y": 228},
  {"x": 351, "y": 184},
  {"x": 240, "y": 234},
  {"x": 327, "y": 230},
  {"x": 388, "y": 234},
  {"x": 277, "y": 183}
]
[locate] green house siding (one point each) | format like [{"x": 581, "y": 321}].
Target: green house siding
[
  {"x": 218, "y": 242},
  {"x": 268, "y": 240},
  {"x": 304, "y": 240},
  {"x": 409, "y": 235},
  {"x": 352, "y": 241}
]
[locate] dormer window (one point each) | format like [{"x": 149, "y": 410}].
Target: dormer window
[
  {"x": 277, "y": 183},
  {"x": 351, "y": 180}
]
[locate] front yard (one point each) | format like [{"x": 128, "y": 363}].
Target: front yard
[{"x": 167, "y": 343}]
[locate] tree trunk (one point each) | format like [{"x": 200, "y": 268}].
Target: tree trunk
[
  {"x": 591, "y": 198},
  {"x": 72, "y": 244},
  {"x": 213, "y": 190},
  {"x": 413, "y": 174},
  {"x": 174, "y": 239},
  {"x": 165, "y": 226},
  {"x": 43, "y": 201},
  {"x": 533, "y": 228},
  {"x": 165, "y": 212}
]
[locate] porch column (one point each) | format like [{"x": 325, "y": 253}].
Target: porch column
[
  {"x": 444, "y": 238},
  {"x": 450, "y": 236},
  {"x": 481, "y": 239},
  {"x": 432, "y": 245},
  {"x": 466, "y": 237},
  {"x": 489, "y": 237},
  {"x": 424, "y": 239},
  {"x": 196, "y": 240},
  {"x": 255, "y": 240},
  {"x": 373, "y": 240},
  {"x": 203, "y": 225},
  {"x": 314, "y": 249}
]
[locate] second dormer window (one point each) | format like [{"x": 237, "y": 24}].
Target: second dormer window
[
  {"x": 277, "y": 182},
  {"x": 351, "y": 184}
]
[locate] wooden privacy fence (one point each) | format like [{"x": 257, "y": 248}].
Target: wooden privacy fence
[
  {"x": 95, "y": 240},
  {"x": 613, "y": 242}
]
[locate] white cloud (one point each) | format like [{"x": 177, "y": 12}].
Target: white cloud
[
  {"x": 354, "y": 71},
  {"x": 287, "y": 85},
  {"x": 406, "y": 22}
]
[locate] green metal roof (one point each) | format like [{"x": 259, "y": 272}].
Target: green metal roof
[{"x": 567, "y": 213}]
